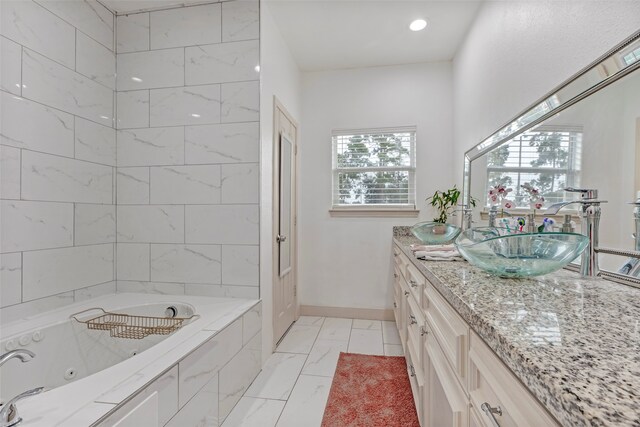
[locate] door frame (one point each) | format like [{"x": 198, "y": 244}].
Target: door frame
[{"x": 275, "y": 221}]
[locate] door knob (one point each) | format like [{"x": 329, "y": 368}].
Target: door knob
[{"x": 281, "y": 238}]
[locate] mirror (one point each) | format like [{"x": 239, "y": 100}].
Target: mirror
[{"x": 586, "y": 134}]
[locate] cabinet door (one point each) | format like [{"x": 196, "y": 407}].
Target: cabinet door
[{"x": 445, "y": 403}]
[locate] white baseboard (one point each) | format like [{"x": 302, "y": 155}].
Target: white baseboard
[{"x": 347, "y": 312}]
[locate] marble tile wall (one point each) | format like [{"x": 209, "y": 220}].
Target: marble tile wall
[
  {"x": 188, "y": 150},
  {"x": 57, "y": 154}
]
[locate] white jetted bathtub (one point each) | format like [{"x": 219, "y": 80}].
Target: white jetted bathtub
[{"x": 191, "y": 377}]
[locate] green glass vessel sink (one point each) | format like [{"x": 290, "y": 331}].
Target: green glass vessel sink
[
  {"x": 509, "y": 254},
  {"x": 435, "y": 233}
]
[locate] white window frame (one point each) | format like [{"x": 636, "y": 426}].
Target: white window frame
[{"x": 374, "y": 210}]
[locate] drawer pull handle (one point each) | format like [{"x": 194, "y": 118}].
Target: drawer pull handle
[
  {"x": 406, "y": 293},
  {"x": 395, "y": 275},
  {"x": 412, "y": 319},
  {"x": 490, "y": 412},
  {"x": 413, "y": 371},
  {"x": 414, "y": 284},
  {"x": 395, "y": 305},
  {"x": 395, "y": 254},
  {"x": 423, "y": 331}
]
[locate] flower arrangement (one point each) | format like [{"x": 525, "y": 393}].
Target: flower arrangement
[
  {"x": 536, "y": 201},
  {"x": 498, "y": 196}
]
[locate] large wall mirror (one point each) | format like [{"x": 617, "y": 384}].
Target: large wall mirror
[{"x": 585, "y": 134}]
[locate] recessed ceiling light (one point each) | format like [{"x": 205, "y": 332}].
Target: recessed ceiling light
[{"x": 418, "y": 24}]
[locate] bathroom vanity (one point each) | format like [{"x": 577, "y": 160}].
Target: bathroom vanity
[{"x": 483, "y": 351}]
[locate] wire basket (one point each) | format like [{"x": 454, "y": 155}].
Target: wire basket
[{"x": 129, "y": 326}]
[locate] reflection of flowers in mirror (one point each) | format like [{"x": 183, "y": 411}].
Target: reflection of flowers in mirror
[
  {"x": 536, "y": 201},
  {"x": 498, "y": 196}
]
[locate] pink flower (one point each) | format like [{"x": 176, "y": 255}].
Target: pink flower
[
  {"x": 537, "y": 205},
  {"x": 507, "y": 204}
]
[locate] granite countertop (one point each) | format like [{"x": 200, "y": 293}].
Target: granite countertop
[{"x": 575, "y": 343}]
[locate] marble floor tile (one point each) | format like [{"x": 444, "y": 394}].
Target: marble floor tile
[
  {"x": 390, "y": 333},
  {"x": 310, "y": 320},
  {"x": 306, "y": 405},
  {"x": 374, "y": 325},
  {"x": 299, "y": 339},
  {"x": 323, "y": 358},
  {"x": 278, "y": 376},
  {"x": 366, "y": 342},
  {"x": 252, "y": 412},
  {"x": 335, "y": 329},
  {"x": 393, "y": 350}
]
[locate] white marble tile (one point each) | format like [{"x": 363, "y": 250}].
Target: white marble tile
[
  {"x": 52, "y": 271},
  {"x": 9, "y": 172},
  {"x": 11, "y": 66},
  {"x": 94, "y": 224},
  {"x": 151, "y": 69},
  {"x": 167, "y": 388},
  {"x": 11, "y": 279},
  {"x": 27, "y": 226},
  {"x": 374, "y": 325},
  {"x": 88, "y": 414},
  {"x": 192, "y": 105},
  {"x": 29, "y": 24},
  {"x": 95, "y": 143},
  {"x": 52, "y": 84},
  {"x": 153, "y": 146},
  {"x": 240, "y": 102},
  {"x": 201, "y": 365},
  {"x": 336, "y": 329},
  {"x": 54, "y": 133},
  {"x": 150, "y": 224},
  {"x": 186, "y": 26},
  {"x": 185, "y": 263},
  {"x": 238, "y": 374},
  {"x": 132, "y": 261},
  {"x": 393, "y": 350},
  {"x": 195, "y": 184},
  {"x": 94, "y": 291},
  {"x": 251, "y": 323},
  {"x": 252, "y": 412},
  {"x": 88, "y": 16},
  {"x": 133, "y": 186},
  {"x": 310, "y": 320},
  {"x": 240, "y": 20},
  {"x": 223, "y": 143},
  {"x": 133, "y": 109},
  {"x": 31, "y": 308},
  {"x": 201, "y": 410},
  {"x": 132, "y": 32},
  {"x": 150, "y": 287},
  {"x": 299, "y": 339},
  {"x": 222, "y": 291},
  {"x": 222, "y": 224},
  {"x": 222, "y": 63},
  {"x": 323, "y": 358},
  {"x": 306, "y": 405},
  {"x": 390, "y": 333},
  {"x": 366, "y": 342},
  {"x": 278, "y": 376},
  {"x": 241, "y": 183},
  {"x": 47, "y": 177},
  {"x": 240, "y": 265},
  {"x": 95, "y": 61}
]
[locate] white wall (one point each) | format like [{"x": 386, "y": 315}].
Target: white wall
[
  {"x": 517, "y": 51},
  {"x": 280, "y": 77},
  {"x": 346, "y": 262},
  {"x": 58, "y": 154}
]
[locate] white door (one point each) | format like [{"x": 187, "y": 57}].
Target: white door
[{"x": 284, "y": 227}]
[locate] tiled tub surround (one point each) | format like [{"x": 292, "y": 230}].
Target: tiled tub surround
[
  {"x": 57, "y": 154},
  {"x": 572, "y": 342},
  {"x": 188, "y": 150},
  {"x": 200, "y": 371}
]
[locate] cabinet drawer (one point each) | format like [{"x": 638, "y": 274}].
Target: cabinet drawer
[
  {"x": 493, "y": 385},
  {"x": 416, "y": 379},
  {"x": 415, "y": 327},
  {"x": 450, "y": 330},
  {"x": 416, "y": 282}
]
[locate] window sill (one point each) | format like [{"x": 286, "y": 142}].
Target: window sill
[{"x": 373, "y": 213}]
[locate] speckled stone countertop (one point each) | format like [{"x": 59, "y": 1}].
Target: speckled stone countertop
[{"x": 575, "y": 343}]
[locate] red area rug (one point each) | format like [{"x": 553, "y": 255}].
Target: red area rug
[{"x": 370, "y": 391}]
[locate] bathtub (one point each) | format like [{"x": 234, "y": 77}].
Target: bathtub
[{"x": 91, "y": 378}]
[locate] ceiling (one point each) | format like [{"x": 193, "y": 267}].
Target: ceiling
[
  {"x": 338, "y": 34},
  {"x": 123, "y": 7}
]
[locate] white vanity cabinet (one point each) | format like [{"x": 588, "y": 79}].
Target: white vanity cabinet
[{"x": 456, "y": 379}]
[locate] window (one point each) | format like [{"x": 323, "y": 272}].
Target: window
[
  {"x": 631, "y": 57},
  {"x": 374, "y": 169},
  {"x": 548, "y": 158}
]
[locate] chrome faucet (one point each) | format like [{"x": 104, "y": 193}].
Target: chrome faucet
[
  {"x": 9, "y": 413},
  {"x": 591, "y": 212},
  {"x": 632, "y": 265},
  {"x": 21, "y": 354},
  {"x": 467, "y": 217}
]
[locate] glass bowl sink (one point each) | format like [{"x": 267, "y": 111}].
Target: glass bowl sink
[
  {"x": 509, "y": 254},
  {"x": 435, "y": 233}
]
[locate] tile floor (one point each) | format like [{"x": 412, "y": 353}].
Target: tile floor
[{"x": 293, "y": 387}]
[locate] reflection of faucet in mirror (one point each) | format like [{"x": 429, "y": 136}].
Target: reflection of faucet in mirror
[
  {"x": 493, "y": 215},
  {"x": 590, "y": 226},
  {"x": 632, "y": 266}
]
